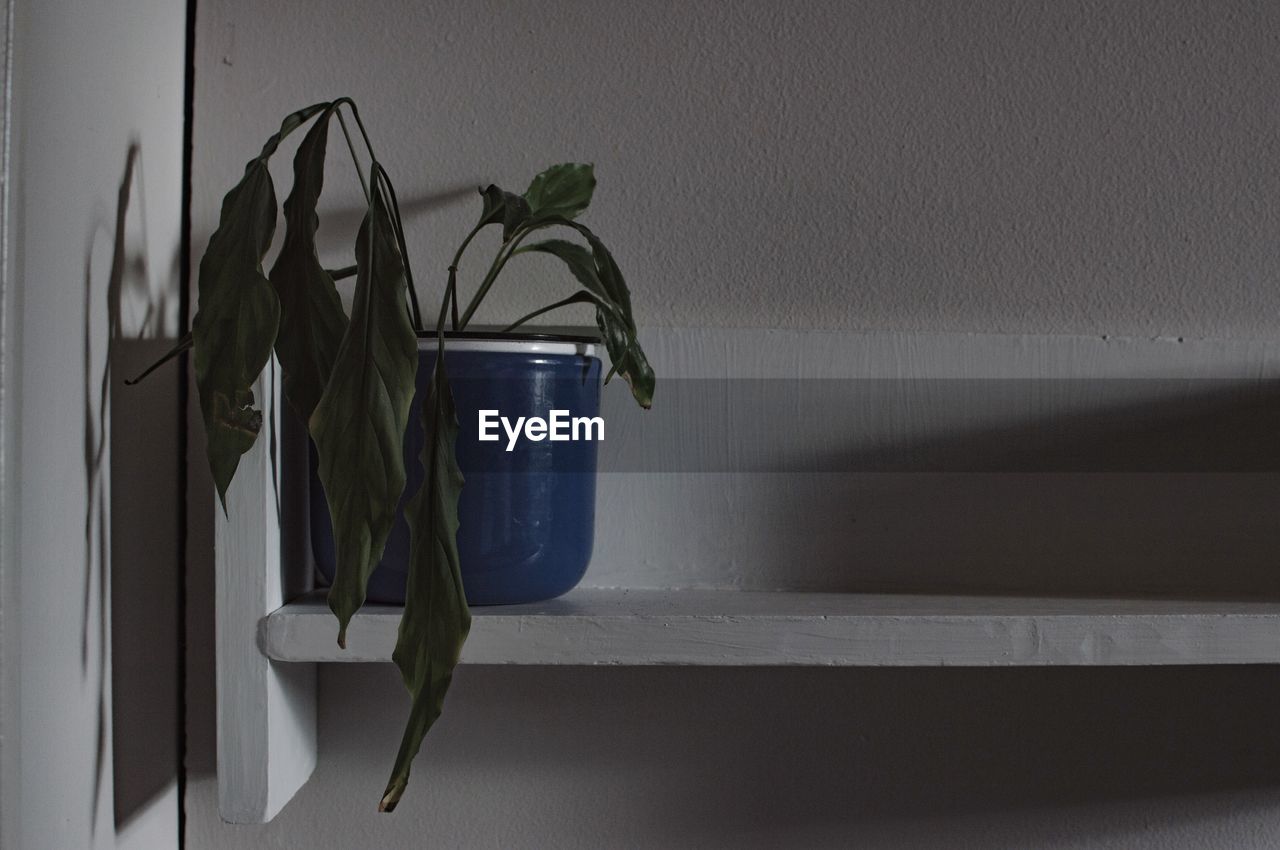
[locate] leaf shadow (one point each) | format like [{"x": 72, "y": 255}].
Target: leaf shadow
[
  {"x": 96, "y": 441},
  {"x": 128, "y": 621}
]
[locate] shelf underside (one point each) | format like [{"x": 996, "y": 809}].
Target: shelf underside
[{"x": 739, "y": 628}]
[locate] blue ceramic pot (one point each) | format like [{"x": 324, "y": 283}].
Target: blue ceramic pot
[{"x": 526, "y": 517}]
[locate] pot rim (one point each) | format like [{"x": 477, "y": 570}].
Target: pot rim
[{"x": 494, "y": 341}]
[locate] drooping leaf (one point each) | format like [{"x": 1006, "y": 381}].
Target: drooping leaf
[
  {"x": 634, "y": 367},
  {"x": 359, "y": 424},
  {"x": 631, "y": 364},
  {"x": 238, "y": 313},
  {"x": 600, "y": 276},
  {"x": 610, "y": 275},
  {"x": 235, "y": 326},
  {"x": 494, "y": 202},
  {"x": 312, "y": 320},
  {"x": 436, "y": 620},
  {"x": 290, "y": 123},
  {"x": 582, "y": 265},
  {"x": 578, "y": 259},
  {"x": 515, "y": 215},
  {"x": 561, "y": 191},
  {"x": 505, "y": 208}
]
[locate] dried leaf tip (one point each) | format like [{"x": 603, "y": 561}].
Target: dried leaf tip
[{"x": 391, "y": 799}]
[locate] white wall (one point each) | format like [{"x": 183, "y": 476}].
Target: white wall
[
  {"x": 1023, "y": 167},
  {"x": 1099, "y": 168},
  {"x": 90, "y": 82}
]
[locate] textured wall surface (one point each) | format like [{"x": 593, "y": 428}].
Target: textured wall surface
[
  {"x": 1093, "y": 168},
  {"x": 1022, "y": 167}
]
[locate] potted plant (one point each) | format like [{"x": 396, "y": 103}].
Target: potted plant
[{"x": 376, "y": 390}]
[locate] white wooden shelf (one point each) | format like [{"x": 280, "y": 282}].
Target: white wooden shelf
[
  {"x": 797, "y": 527},
  {"x": 736, "y": 628}
]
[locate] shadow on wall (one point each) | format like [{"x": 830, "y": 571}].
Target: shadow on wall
[
  {"x": 339, "y": 226},
  {"x": 131, "y": 575},
  {"x": 1149, "y": 488},
  {"x": 1047, "y": 486}
]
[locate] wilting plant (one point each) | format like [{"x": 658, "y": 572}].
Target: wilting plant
[{"x": 352, "y": 377}]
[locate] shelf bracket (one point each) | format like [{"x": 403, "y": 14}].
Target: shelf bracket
[{"x": 266, "y": 709}]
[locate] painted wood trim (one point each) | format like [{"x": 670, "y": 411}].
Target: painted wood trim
[
  {"x": 740, "y": 628},
  {"x": 10, "y": 452},
  {"x": 266, "y": 710}
]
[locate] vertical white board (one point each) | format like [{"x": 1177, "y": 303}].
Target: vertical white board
[{"x": 266, "y": 710}]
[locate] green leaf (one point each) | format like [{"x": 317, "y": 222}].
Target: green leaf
[
  {"x": 238, "y": 313},
  {"x": 290, "y": 123},
  {"x": 561, "y": 191},
  {"x": 312, "y": 321},
  {"x": 635, "y": 370},
  {"x": 600, "y": 275},
  {"x": 436, "y": 620},
  {"x": 235, "y": 326},
  {"x": 503, "y": 207},
  {"x": 610, "y": 275},
  {"x": 582, "y": 265},
  {"x": 630, "y": 363},
  {"x": 359, "y": 424},
  {"x": 579, "y": 260},
  {"x": 494, "y": 201}
]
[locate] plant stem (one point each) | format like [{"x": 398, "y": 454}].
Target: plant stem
[
  {"x": 452, "y": 285},
  {"x": 379, "y": 175},
  {"x": 355, "y": 159},
  {"x": 451, "y": 295},
  {"x": 457, "y": 257},
  {"x": 415, "y": 313},
  {"x": 451, "y": 292},
  {"x": 499, "y": 260},
  {"x": 355, "y": 113},
  {"x": 183, "y": 345}
]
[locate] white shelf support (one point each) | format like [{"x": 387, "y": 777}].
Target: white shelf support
[{"x": 266, "y": 709}]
